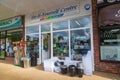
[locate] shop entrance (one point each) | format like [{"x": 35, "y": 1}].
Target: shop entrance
[
  {"x": 45, "y": 46},
  {"x": 7, "y": 41}
]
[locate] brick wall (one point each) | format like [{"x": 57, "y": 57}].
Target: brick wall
[{"x": 100, "y": 66}]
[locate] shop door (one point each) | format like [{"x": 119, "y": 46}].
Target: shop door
[{"x": 45, "y": 46}]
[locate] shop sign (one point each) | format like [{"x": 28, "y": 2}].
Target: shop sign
[
  {"x": 118, "y": 13},
  {"x": 87, "y": 6},
  {"x": 111, "y": 1},
  {"x": 55, "y": 13},
  {"x": 10, "y": 23},
  {"x": 109, "y": 15}
]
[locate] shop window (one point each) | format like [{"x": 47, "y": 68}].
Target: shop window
[
  {"x": 80, "y": 22},
  {"x": 32, "y": 45},
  {"x": 32, "y": 29},
  {"x": 80, "y": 43},
  {"x": 45, "y": 27},
  {"x": 109, "y": 28},
  {"x": 110, "y": 43},
  {"x": 2, "y": 45},
  {"x": 60, "y": 25},
  {"x": 60, "y": 43},
  {"x": 13, "y": 37}
]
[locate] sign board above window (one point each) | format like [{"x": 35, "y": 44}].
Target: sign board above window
[
  {"x": 11, "y": 23},
  {"x": 111, "y": 1},
  {"x": 109, "y": 15}
]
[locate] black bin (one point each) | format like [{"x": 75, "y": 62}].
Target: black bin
[
  {"x": 33, "y": 57},
  {"x": 72, "y": 70},
  {"x": 63, "y": 69},
  {"x": 80, "y": 72}
]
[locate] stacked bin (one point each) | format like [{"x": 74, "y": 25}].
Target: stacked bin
[
  {"x": 25, "y": 62},
  {"x": 49, "y": 65}
]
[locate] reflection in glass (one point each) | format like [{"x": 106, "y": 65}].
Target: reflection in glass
[
  {"x": 32, "y": 45},
  {"x": 32, "y": 29},
  {"x": 80, "y": 22},
  {"x": 80, "y": 43},
  {"x": 60, "y": 43},
  {"x": 45, "y": 27},
  {"x": 110, "y": 42},
  {"x": 60, "y": 25}
]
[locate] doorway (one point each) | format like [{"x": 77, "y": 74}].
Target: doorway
[{"x": 45, "y": 46}]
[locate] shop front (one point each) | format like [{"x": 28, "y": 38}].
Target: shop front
[
  {"x": 108, "y": 58},
  {"x": 11, "y": 33},
  {"x": 64, "y": 32}
]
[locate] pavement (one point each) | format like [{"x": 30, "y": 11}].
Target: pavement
[{"x": 12, "y": 72}]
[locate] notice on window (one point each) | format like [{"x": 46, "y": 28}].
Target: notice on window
[{"x": 111, "y": 53}]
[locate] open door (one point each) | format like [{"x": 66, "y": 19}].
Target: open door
[{"x": 45, "y": 46}]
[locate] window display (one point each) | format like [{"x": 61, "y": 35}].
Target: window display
[
  {"x": 60, "y": 43},
  {"x": 80, "y": 43},
  {"x": 32, "y": 44},
  {"x": 110, "y": 43},
  {"x": 69, "y": 38}
]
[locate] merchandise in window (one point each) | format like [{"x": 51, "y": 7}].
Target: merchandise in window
[
  {"x": 80, "y": 43},
  {"x": 32, "y": 45},
  {"x": 60, "y": 44}
]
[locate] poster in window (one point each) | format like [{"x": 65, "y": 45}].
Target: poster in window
[{"x": 110, "y": 53}]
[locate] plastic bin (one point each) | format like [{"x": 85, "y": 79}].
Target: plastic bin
[
  {"x": 25, "y": 62},
  {"x": 80, "y": 72},
  {"x": 33, "y": 57},
  {"x": 72, "y": 70},
  {"x": 64, "y": 69}
]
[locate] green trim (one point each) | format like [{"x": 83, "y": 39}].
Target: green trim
[
  {"x": 11, "y": 23},
  {"x": 17, "y": 64}
]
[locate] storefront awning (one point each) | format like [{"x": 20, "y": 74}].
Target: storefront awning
[{"x": 109, "y": 15}]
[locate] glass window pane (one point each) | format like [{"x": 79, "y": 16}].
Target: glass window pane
[
  {"x": 60, "y": 25},
  {"x": 80, "y": 43},
  {"x": 45, "y": 27},
  {"x": 80, "y": 22},
  {"x": 2, "y": 45},
  {"x": 32, "y": 45},
  {"x": 60, "y": 44},
  {"x": 110, "y": 43},
  {"x": 32, "y": 29}
]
